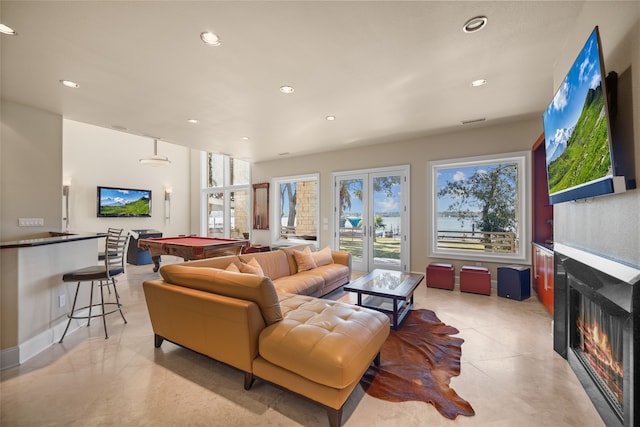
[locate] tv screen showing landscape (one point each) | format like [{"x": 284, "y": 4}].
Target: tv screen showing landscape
[
  {"x": 126, "y": 202},
  {"x": 576, "y": 128}
]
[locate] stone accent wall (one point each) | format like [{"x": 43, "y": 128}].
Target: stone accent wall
[{"x": 306, "y": 209}]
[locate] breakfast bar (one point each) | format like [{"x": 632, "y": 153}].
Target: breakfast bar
[{"x": 34, "y": 300}]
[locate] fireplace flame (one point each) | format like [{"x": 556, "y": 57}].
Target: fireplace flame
[
  {"x": 598, "y": 352},
  {"x": 596, "y": 344}
]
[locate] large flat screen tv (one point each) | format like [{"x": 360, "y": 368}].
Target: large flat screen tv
[
  {"x": 123, "y": 202},
  {"x": 577, "y": 130}
]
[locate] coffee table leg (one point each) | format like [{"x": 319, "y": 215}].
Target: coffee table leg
[
  {"x": 360, "y": 298},
  {"x": 395, "y": 314}
]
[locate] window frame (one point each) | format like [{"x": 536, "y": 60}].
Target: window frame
[
  {"x": 275, "y": 209},
  {"x": 226, "y": 189},
  {"x": 523, "y": 210}
]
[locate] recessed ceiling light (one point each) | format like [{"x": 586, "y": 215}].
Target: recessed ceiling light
[
  {"x": 193, "y": 121},
  {"x": 210, "y": 38},
  {"x": 475, "y": 24},
  {"x": 330, "y": 118},
  {"x": 479, "y": 82},
  {"x": 69, "y": 83},
  {"x": 286, "y": 89},
  {"x": 245, "y": 138},
  {"x": 5, "y": 29}
]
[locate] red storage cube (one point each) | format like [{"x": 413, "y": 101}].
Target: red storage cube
[
  {"x": 440, "y": 275},
  {"x": 475, "y": 279}
]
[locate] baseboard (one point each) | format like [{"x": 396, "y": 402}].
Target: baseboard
[
  {"x": 17, "y": 355},
  {"x": 9, "y": 357}
]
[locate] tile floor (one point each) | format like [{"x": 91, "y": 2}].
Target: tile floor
[{"x": 510, "y": 375}]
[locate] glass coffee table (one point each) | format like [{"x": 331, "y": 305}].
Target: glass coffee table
[{"x": 388, "y": 291}]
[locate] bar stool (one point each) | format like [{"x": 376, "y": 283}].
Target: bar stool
[{"x": 104, "y": 274}]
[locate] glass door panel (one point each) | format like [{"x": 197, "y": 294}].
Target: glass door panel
[
  {"x": 352, "y": 212},
  {"x": 387, "y": 221},
  {"x": 215, "y": 213},
  {"x": 239, "y": 214}
]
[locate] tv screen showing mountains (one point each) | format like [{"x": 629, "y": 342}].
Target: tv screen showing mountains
[
  {"x": 575, "y": 126},
  {"x": 122, "y": 202}
]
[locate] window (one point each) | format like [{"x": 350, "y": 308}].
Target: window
[
  {"x": 296, "y": 209},
  {"x": 226, "y": 202},
  {"x": 479, "y": 208}
]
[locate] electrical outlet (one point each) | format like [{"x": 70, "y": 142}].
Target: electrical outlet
[
  {"x": 62, "y": 300},
  {"x": 30, "y": 222}
]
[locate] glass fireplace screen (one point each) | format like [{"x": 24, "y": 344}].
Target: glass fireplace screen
[{"x": 600, "y": 345}]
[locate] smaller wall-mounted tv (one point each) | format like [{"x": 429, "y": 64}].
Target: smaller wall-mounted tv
[
  {"x": 578, "y": 132},
  {"x": 123, "y": 202}
]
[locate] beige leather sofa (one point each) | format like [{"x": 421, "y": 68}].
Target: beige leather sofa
[
  {"x": 281, "y": 266},
  {"x": 315, "y": 347}
]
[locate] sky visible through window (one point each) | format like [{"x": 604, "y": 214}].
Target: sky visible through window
[
  {"x": 382, "y": 202},
  {"x": 454, "y": 175}
]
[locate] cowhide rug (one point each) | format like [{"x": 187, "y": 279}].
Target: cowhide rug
[{"x": 417, "y": 363}]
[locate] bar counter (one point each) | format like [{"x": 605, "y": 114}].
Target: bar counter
[
  {"x": 51, "y": 238},
  {"x": 34, "y": 300}
]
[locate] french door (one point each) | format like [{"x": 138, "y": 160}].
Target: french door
[{"x": 371, "y": 217}]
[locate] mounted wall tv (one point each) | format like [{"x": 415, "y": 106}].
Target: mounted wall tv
[
  {"x": 123, "y": 202},
  {"x": 577, "y": 131}
]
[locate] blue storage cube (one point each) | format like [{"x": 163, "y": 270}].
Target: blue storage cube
[{"x": 514, "y": 282}]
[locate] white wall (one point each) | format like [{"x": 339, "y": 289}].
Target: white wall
[
  {"x": 31, "y": 162},
  {"x": 95, "y": 156},
  {"x": 470, "y": 141}
]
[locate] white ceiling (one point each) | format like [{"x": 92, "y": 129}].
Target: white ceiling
[{"x": 387, "y": 70}]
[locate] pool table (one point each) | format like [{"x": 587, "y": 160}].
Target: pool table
[{"x": 190, "y": 247}]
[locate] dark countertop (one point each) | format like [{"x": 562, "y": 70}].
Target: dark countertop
[
  {"x": 54, "y": 238},
  {"x": 545, "y": 246}
]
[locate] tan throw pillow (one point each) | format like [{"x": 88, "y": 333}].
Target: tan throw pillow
[
  {"x": 322, "y": 257},
  {"x": 304, "y": 259},
  {"x": 233, "y": 267},
  {"x": 252, "y": 267}
]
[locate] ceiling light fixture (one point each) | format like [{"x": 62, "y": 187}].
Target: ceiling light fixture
[
  {"x": 475, "y": 24},
  {"x": 155, "y": 160},
  {"x": 193, "y": 121},
  {"x": 286, "y": 89},
  {"x": 478, "y": 83},
  {"x": 69, "y": 83},
  {"x": 330, "y": 118},
  {"x": 245, "y": 138},
  {"x": 5, "y": 29},
  {"x": 210, "y": 38}
]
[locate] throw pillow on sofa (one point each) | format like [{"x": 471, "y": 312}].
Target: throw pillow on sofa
[
  {"x": 304, "y": 259},
  {"x": 233, "y": 267},
  {"x": 252, "y": 267},
  {"x": 322, "y": 257}
]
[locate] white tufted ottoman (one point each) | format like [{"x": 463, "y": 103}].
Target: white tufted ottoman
[{"x": 320, "y": 349}]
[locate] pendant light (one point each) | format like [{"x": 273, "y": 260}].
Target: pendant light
[{"x": 155, "y": 160}]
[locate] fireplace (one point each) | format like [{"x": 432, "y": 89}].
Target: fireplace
[{"x": 596, "y": 328}]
